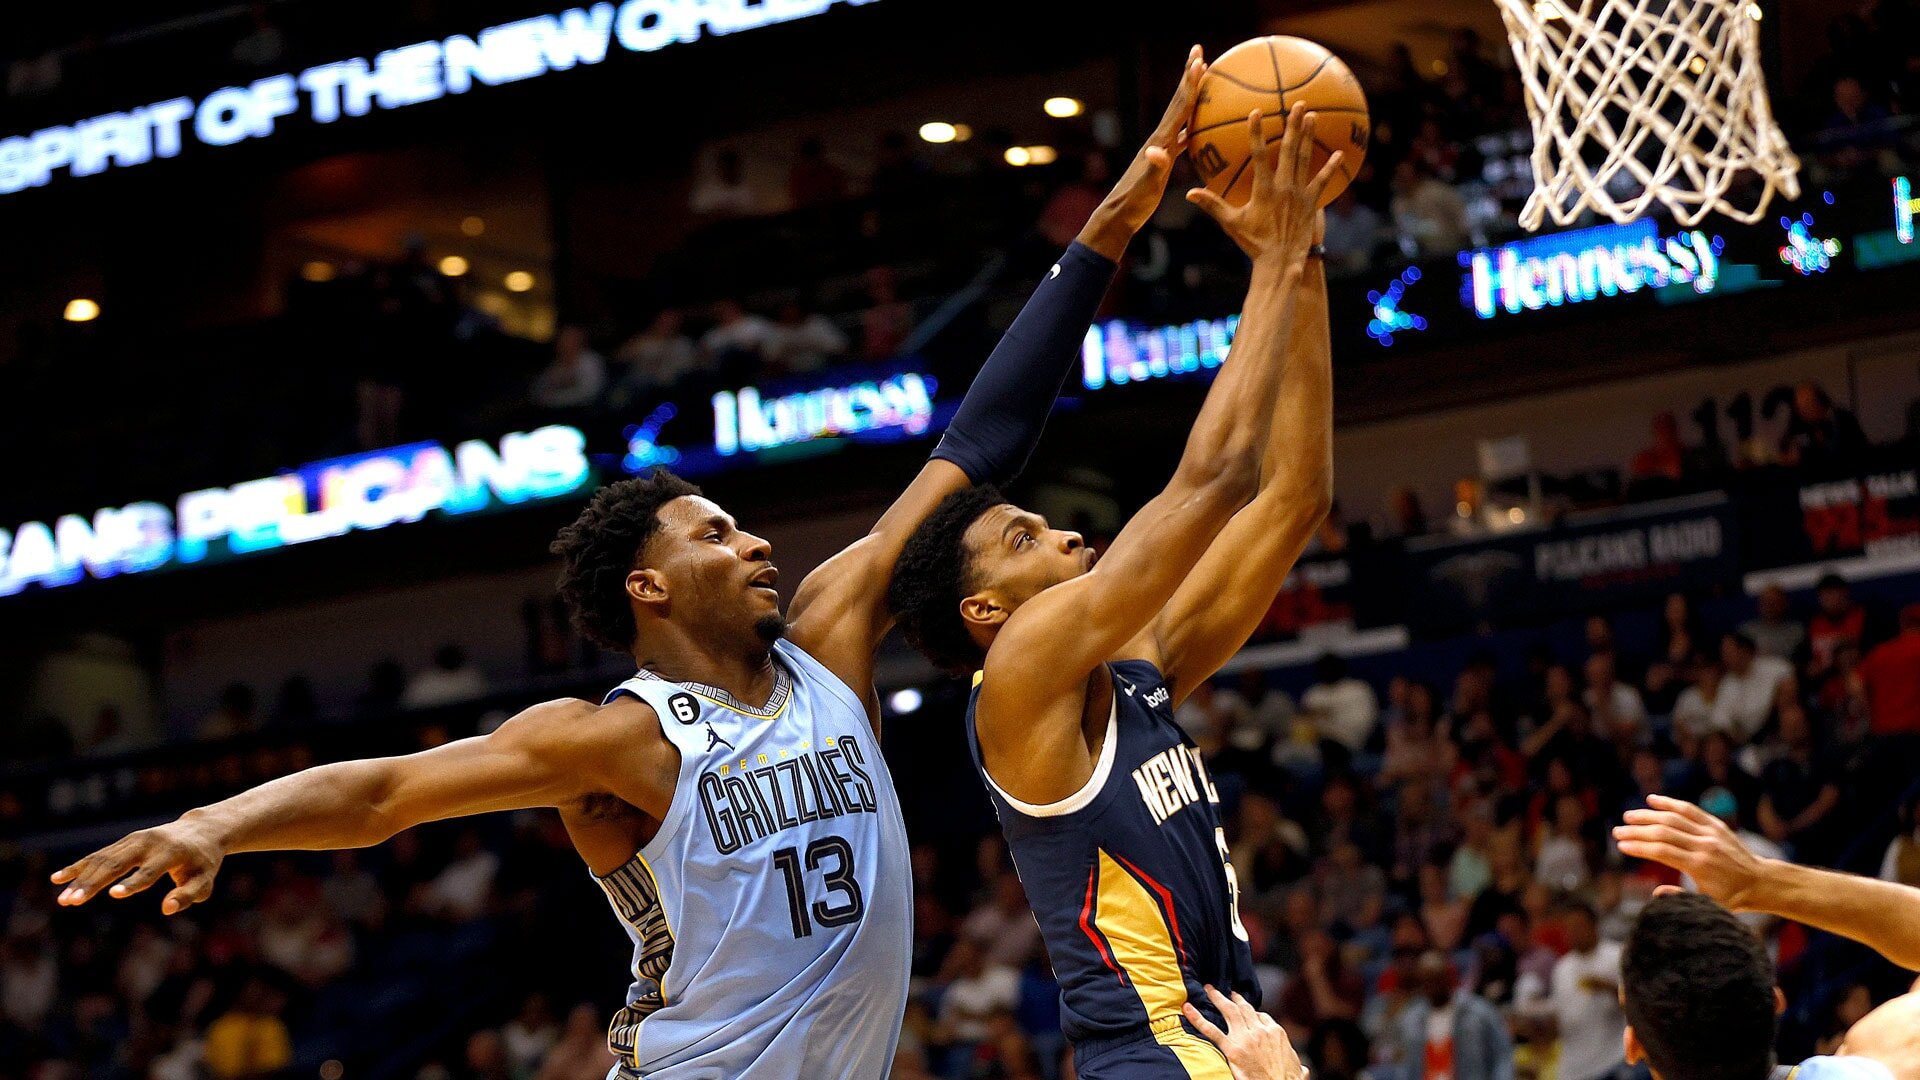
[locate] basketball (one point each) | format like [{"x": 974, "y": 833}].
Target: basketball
[{"x": 1271, "y": 74}]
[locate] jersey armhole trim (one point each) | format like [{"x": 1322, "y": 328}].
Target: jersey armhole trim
[
  {"x": 678, "y": 807},
  {"x": 1081, "y": 799}
]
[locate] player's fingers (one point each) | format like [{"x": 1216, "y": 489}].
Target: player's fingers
[
  {"x": 1662, "y": 818},
  {"x": 97, "y": 871},
  {"x": 138, "y": 881},
  {"x": 1290, "y": 143},
  {"x": 1686, "y": 810},
  {"x": 1318, "y": 184},
  {"x": 1257, "y": 146},
  {"x": 1235, "y": 1015},
  {"x": 1659, "y": 834},
  {"x": 1664, "y": 854},
  {"x": 1214, "y": 206},
  {"x": 193, "y": 890},
  {"x": 1203, "y": 1025},
  {"x": 1303, "y": 149},
  {"x": 1158, "y": 160}
]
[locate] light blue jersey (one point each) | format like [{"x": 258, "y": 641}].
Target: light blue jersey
[{"x": 771, "y": 916}]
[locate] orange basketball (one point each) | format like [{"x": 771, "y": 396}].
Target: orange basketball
[{"x": 1272, "y": 74}]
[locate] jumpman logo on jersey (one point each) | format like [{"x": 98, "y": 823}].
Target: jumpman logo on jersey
[{"x": 714, "y": 739}]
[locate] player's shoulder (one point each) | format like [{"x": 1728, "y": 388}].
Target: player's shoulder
[{"x": 579, "y": 723}]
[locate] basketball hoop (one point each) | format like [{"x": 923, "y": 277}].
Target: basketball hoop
[{"x": 1638, "y": 101}]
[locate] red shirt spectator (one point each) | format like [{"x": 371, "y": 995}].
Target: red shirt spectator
[
  {"x": 1890, "y": 676},
  {"x": 1838, "y": 620}
]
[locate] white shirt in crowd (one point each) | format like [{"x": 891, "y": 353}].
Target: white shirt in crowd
[
  {"x": 462, "y": 889},
  {"x": 1692, "y": 712},
  {"x": 1345, "y": 711},
  {"x": 969, "y": 1002},
  {"x": 570, "y": 386},
  {"x": 1745, "y": 700},
  {"x": 1621, "y": 706},
  {"x": 806, "y": 345},
  {"x": 1561, "y": 864},
  {"x": 438, "y": 686},
  {"x": 1586, "y": 1003},
  {"x": 748, "y": 333}
]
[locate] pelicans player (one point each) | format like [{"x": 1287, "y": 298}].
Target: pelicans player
[{"x": 1106, "y": 805}]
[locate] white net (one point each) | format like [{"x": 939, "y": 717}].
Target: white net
[{"x": 1638, "y": 101}]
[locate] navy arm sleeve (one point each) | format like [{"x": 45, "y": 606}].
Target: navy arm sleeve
[{"x": 1001, "y": 418}]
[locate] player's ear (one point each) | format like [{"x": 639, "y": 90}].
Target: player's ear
[
  {"x": 1780, "y": 1000},
  {"x": 1635, "y": 1054},
  {"x": 983, "y": 610},
  {"x": 647, "y": 585}
]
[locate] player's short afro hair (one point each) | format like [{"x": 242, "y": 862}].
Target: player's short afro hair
[
  {"x": 934, "y": 573},
  {"x": 1698, "y": 989},
  {"x": 601, "y": 547}
]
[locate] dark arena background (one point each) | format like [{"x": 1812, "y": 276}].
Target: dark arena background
[{"x": 311, "y": 338}]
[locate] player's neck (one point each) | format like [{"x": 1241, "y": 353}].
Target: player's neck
[{"x": 747, "y": 675}]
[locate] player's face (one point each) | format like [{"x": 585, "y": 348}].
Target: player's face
[
  {"x": 714, "y": 570},
  {"x": 1016, "y": 555}
]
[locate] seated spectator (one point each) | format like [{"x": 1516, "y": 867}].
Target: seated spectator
[
  {"x": 451, "y": 678},
  {"x": 1269, "y": 850},
  {"x": 1750, "y": 689},
  {"x": 250, "y": 1040},
  {"x": 529, "y": 1036},
  {"x": 1560, "y": 862},
  {"x": 1442, "y": 914},
  {"x": 723, "y": 191},
  {"x": 1902, "y": 861},
  {"x": 1003, "y": 927},
  {"x": 1889, "y": 679},
  {"x": 575, "y": 378},
  {"x": 1071, "y": 204},
  {"x": 1680, "y": 632},
  {"x": 464, "y": 889},
  {"x": 1720, "y": 770},
  {"x": 736, "y": 346},
  {"x": 1837, "y": 622},
  {"x": 486, "y": 1056},
  {"x": 888, "y": 320},
  {"x": 658, "y": 356},
  {"x": 1820, "y": 435},
  {"x": 798, "y": 342},
  {"x": 1775, "y": 631},
  {"x": 1352, "y": 234},
  {"x": 1343, "y": 708},
  {"x": 1430, "y": 216},
  {"x": 1618, "y": 713},
  {"x": 814, "y": 179},
  {"x": 1451, "y": 1034},
  {"x": 581, "y": 1053},
  {"x": 1693, "y": 709},
  {"x": 1666, "y": 459},
  {"x": 975, "y": 992},
  {"x": 1324, "y": 989},
  {"x": 1800, "y": 790}
]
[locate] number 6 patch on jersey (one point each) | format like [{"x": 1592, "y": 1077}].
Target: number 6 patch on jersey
[{"x": 684, "y": 708}]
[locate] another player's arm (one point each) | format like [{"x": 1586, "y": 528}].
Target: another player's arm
[
  {"x": 1042, "y": 657},
  {"x": 549, "y": 755},
  {"x": 1881, "y": 915},
  {"x": 839, "y": 613},
  {"x": 1222, "y": 601}
]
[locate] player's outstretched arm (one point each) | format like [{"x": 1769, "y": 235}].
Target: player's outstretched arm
[
  {"x": 839, "y": 613},
  {"x": 1256, "y": 1048},
  {"x": 548, "y": 755},
  {"x": 1881, "y": 915},
  {"x": 1222, "y": 602},
  {"x": 1049, "y": 646}
]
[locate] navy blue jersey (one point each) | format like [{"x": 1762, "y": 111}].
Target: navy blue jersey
[{"x": 1128, "y": 877}]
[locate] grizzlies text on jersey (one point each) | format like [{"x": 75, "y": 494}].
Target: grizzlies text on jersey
[
  {"x": 1129, "y": 881},
  {"x": 771, "y": 916}
]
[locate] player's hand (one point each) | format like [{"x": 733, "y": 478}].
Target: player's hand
[
  {"x": 180, "y": 850},
  {"x": 1134, "y": 199},
  {"x": 1676, "y": 833},
  {"x": 1255, "y": 1046},
  {"x": 1281, "y": 217}
]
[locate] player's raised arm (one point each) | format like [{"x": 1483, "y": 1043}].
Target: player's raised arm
[
  {"x": 1883, "y": 916},
  {"x": 839, "y": 613},
  {"x": 1223, "y": 600},
  {"x": 1051, "y": 643},
  {"x": 547, "y": 755}
]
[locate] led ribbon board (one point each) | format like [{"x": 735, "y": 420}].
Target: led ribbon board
[
  {"x": 408, "y": 75},
  {"x": 364, "y": 492},
  {"x": 1585, "y": 265}
]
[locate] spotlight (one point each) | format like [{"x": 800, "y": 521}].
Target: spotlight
[
  {"x": 453, "y": 266},
  {"x": 519, "y": 281},
  {"x": 1018, "y": 156},
  {"x": 472, "y": 225},
  {"x": 938, "y": 131},
  {"x": 81, "y": 310},
  {"x": 1063, "y": 107},
  {"x": 317, "y": 271},
  {"x": 905, "y": 701},
  {"x": 1042, "y": 155}
]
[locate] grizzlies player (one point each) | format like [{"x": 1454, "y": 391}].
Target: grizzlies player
[
  {"x": 730, "y": 797},
  {"x": 1106, "y": 804}
]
